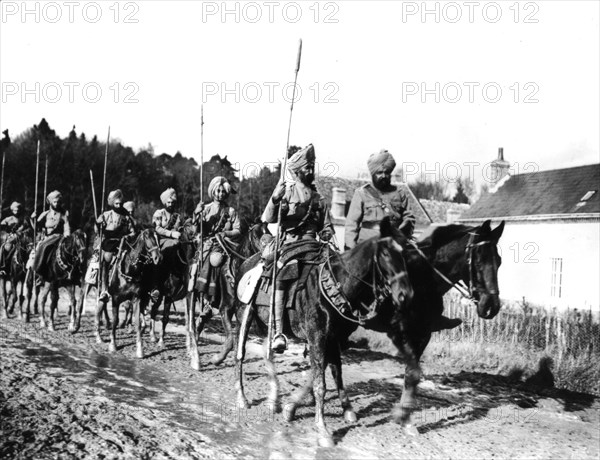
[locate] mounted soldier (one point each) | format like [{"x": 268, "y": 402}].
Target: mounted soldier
[
  {"x": 55, "y": 223},
  {"x": 372, "y": 202},
  {"x": 220, "y": 227},
  {"x": 12, "y": 224},
  {"x": 116, "y": 224},
  {"x": 304, "y": 215}
]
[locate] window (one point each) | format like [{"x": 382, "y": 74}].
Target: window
[{"x": 556, "y": 278}]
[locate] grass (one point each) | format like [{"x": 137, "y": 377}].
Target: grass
[{"x": 520, "y": 340}]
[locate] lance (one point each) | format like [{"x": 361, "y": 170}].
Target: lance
[
  {"x": 93, "y": 195},
  {"x": 277, "y": 232},
  {"x": 2, "y": 181},
  {"x": 45, "y": 180},
  {"x": 99, "y": 282},
  {"x": 201, "y": 254},
  {"x": 35, "y": 197}
]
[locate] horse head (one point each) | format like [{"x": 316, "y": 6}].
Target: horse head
[
  {"x": 79, "y": 246},
  {"x": 483, "y": 262},
  {"x": 150, "y": 243},
  {"x": 391, "y": 264}
]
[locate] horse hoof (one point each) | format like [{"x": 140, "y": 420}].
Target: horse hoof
[
  {"x": 161, "y": 343},
  {"x": 350, "y": 416},
  {"x": 139, "y": 354},
  {"x": 243, "y": 403},
  {"x": 27, "y": 318},
  {"x": 289, "y": 412},
  {"x": 218, "y": 359},
  {"x": 152, "y": 338},
  {"x": 195, "y": 364},
  {"x": 112, "y": 348},
  {"x": 51, "y": 328},
  {"x": 274, "y": 407},
  {"x": 410, "y": 430},
  {"x": 325, "y": 440}
]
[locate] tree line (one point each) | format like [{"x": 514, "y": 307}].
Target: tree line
[{"x": 142, "y": 176}]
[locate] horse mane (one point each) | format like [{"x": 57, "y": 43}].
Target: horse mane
[{"x": 441, "y": 236}]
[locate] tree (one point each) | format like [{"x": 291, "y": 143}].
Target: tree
[{"x": 460, "y": 196}]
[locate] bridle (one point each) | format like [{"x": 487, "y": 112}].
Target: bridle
[
  {"x": 381, "y": 285},
  {"x": 136, "y": 254},
  {"x": 63, "y": 256},
  {"x": 473, "y": 285}
]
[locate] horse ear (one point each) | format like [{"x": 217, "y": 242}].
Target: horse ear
[
  {"x": 497, "y": 232},
  {"x": 486, "y": 227}
]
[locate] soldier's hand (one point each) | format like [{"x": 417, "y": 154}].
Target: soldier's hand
[
  {"x": 279, "y": 192},
  {"x": 199, "y": 208},
  {"x": 33, "y": 215},
  {"x": 326, "y": 235},
  {"x": 175, "y": 234}
]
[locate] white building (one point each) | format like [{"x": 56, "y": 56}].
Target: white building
[{"x": 550, "y": 245}]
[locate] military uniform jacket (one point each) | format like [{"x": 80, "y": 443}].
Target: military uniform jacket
[
  {"x": 220, "y": 217},
  {"x": 55, "y": 222},
  {"x": 166, "y": 222},
  {"x": 369, "y": 206},
  {"x": 303, "y": 211},
  {"x": 117, "y": 224},
  {"x": 13, "y": 223}
]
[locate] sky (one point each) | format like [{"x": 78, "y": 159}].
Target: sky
[{"x": 441, "y": 85}]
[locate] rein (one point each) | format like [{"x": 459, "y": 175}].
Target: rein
[{"x": 381, "y": 293}]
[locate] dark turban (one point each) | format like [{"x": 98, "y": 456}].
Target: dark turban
[{"x": 301, "y": 158}]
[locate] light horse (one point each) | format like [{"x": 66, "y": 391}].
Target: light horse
[{"x": 128, "y": 281}]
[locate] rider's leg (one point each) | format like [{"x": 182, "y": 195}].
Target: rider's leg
[
  {"x": 279, "y": 344},
  {"x": 106, "y": 260}
]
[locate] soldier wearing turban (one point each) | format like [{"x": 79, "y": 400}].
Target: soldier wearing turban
[
  {"x": 304, "y": 215},
  {"x": 55, "y": 223},
  {"x": 372, "y": 202},
  {"x": 12, "y": 224},
  {"x": 218, "y": 219},
  {"x": 116, "y": 223},
  {"x": 166, "y": 221}
]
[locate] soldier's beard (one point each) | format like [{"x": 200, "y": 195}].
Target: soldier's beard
[
  {"x": 381, "y": 183},
  {"x": 306, "y": 179}
]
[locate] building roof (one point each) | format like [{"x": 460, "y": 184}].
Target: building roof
[
  {"x": 559, "y": 192},
  {"x": 438, "y": 210},
  {"x": 325, "y": 184}
]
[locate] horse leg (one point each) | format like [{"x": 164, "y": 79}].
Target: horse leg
[
  {"x": 43, "y": 296},
  {"x": 10, "y": 294},
  {"x": 335, "y": 363},
  {"x": 73, "y": 309},
  {"x": 317, "y": 353},
  {"x": 18, "y": 295},
  {"x": 153, "y": 313},
  {"x": 401, "y": 413},
  {"x": 273, "y": 399},
  {"x": 298, "y": 397},
  {"x": 127, "y": 307},
  {"x": 137, "y": 315},
  {"x": 82, "y": 298},
  {"x": 100, "y": 305},
  {"x": 165, "y": 320},
  {"x": 242, "y": 402},
  {"x": 3, "y": 298},
  {"x": 192, "y": 340},
  {"x": 226, "y": 316},
  {"x": 53, "y": 304},
  {"x": 112, "y": 347}
]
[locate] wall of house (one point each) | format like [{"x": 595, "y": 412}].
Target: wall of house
[{"x": 527, "y": 251}]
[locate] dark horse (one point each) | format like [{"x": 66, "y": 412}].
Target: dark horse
[
  {"x": 126, "y": 282},
  {"x": 171, "y": 279},
  {"x": 22, "y": 242},
  {"x": 374, "y": 271},
  {"x": 249, "y": 244},
  {"x": 64, "y": 269},
  {"x": 457, "y": 252}
]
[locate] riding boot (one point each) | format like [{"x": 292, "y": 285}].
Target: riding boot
[
  {"x": 104, "y": 281},
  {"x": 442, "y": 322},
  {"x": 279, "y": 344}
]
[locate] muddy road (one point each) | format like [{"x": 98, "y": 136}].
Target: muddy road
[{"x": 63, "y": 396}]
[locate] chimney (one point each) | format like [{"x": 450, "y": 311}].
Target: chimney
[
  {"x": 338, "y": 203},
  {"x": 500, "y": 168}
]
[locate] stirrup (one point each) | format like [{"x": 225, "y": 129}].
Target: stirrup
[{"x": 104, "y": 295}]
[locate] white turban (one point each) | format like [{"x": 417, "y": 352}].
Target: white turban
[
  {"x": 113, "y": 196},
  {"x": 52, "y": 195},
  {"x": 383, "y": 161},
  {"x": 216, "y": 182},
  {"x": 301, "y": 158},
  {"x": 168, "y": 194}
]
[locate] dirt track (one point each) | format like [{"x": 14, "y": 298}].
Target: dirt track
[{"x": 65, "y": 396}]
